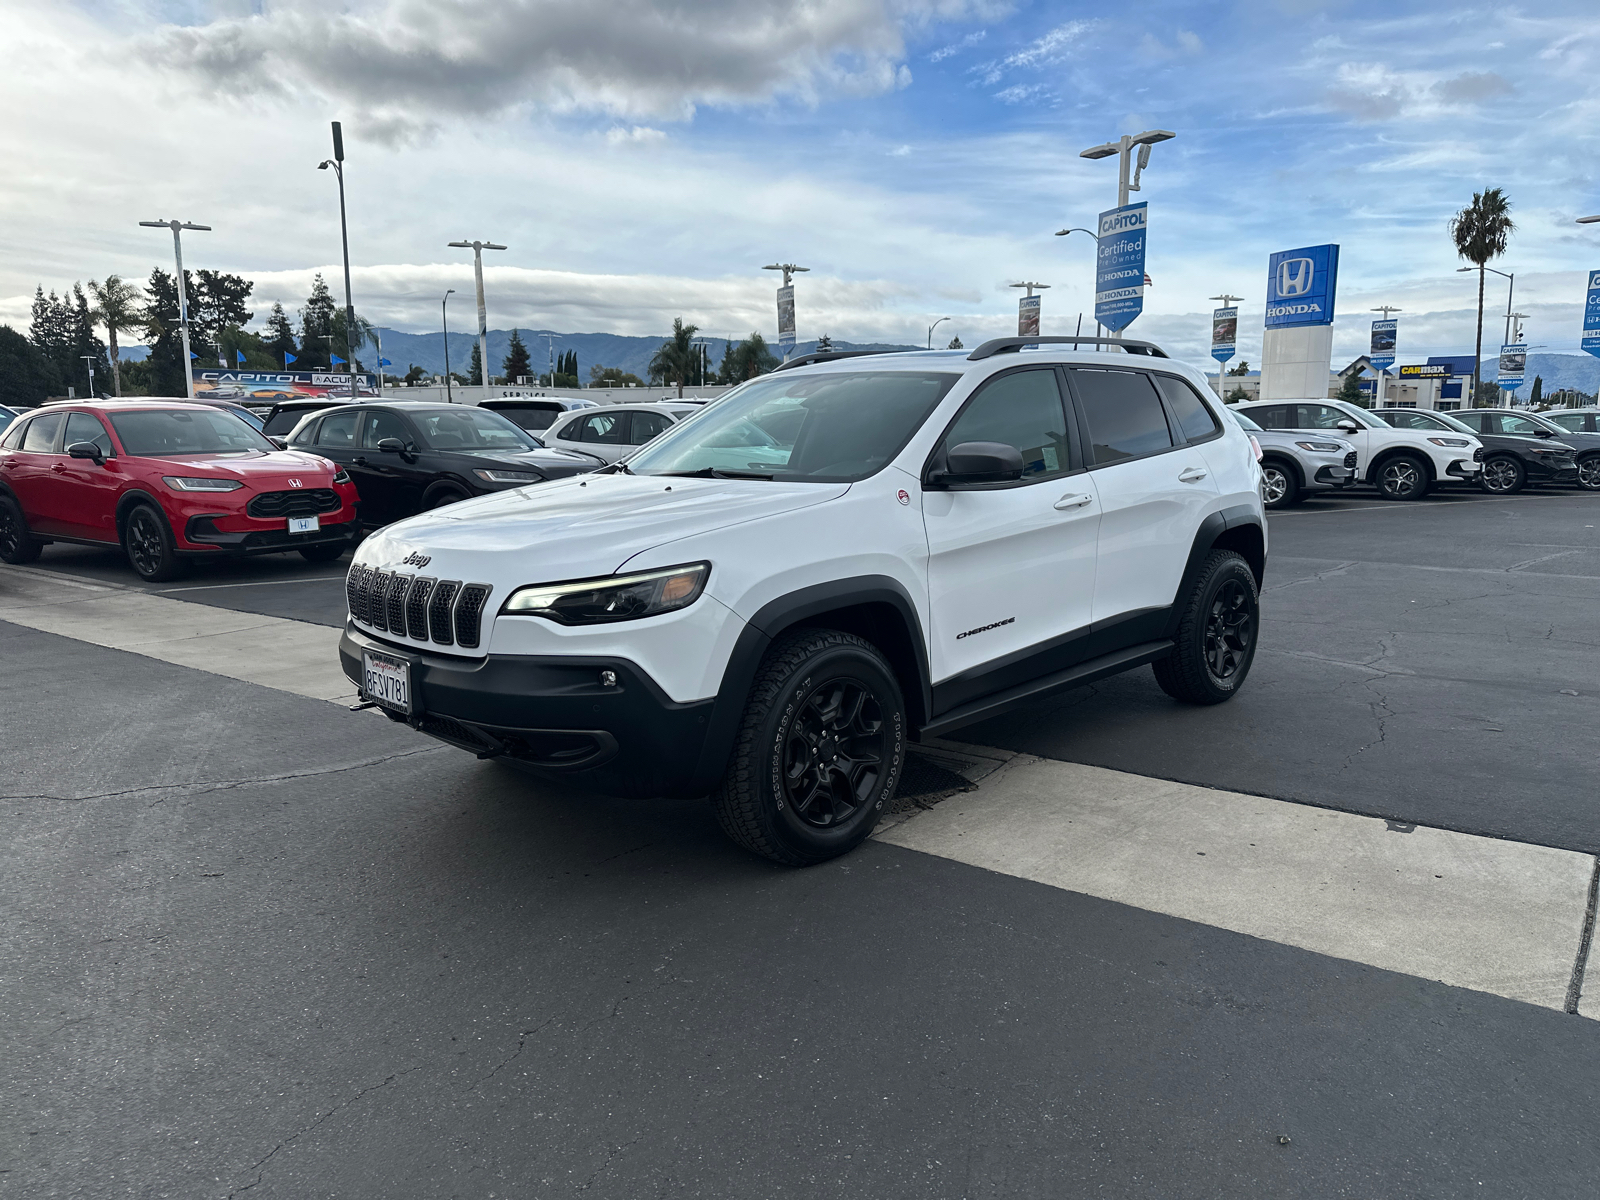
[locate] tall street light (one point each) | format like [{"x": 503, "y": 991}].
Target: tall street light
[
  {"x": 444, "y": 311},
  {"x": 89, "y": 362},
  {"x": 1123, "y": 146},
  {"x": 789, "y": 271},
  {"x": 1510, "y": 292},
  {"x": 477, "y": 249},
  {"x": 183, "y": 298},
  {"x": 1385, "y": 309},
  {"x": 1227, "y": 301},
  {"x": 932, "y": 327},
  {"x": 337, "y": 163},
  {"x": 1589, "y": 220},
  {"x": 1096, "y": 237},
  {"x": 1030, "y": 285}
]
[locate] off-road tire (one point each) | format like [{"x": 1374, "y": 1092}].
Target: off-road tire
[
  {"x": 752, "y": 803},
  {"x": 1402, "y": 477},
  {"x": 17, "y": 545},
  {"x": 1502, "y": 475},
  {"x": 1189, "y": 673},
  {"x": 326, "y": 553},
  {"x": 1280, "y": 485},
  {"x": 147, "y": 541}
]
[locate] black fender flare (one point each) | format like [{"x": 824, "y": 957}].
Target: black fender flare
[
  {"x": 133, "y": 496},
  {"x": 857, "y": 603},
  {"x": 1237, "y": 528}
]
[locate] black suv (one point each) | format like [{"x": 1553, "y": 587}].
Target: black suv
[
  {"x": 408, "y": 456},
  {"x": 1525, "y": 424},
  {"x": 1511, "y": 461}
]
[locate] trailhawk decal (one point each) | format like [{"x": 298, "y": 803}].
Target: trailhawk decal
[{"x": 986, "y": 628}]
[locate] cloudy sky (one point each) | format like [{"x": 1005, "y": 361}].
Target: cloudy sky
[{"x": 644, "y": 159}]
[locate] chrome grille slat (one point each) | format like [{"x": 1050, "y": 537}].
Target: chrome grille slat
[
  {"x": 417, "y": 609},
  {"x": 444, "y": 597}
]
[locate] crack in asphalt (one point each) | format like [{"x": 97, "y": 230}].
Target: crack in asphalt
[
  {"x": 522, "y": 1040},
  {"x": 260, "y": 1167},
  {"x": 611, "y": 1154},
  {"x": 223, "y": 785},
  {"x": 1318, "y": 577}
]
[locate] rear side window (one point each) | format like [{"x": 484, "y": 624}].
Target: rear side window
[
  {"x": 606, "y": 428},
  {"x": 1123, "y": 412},
  {"x": 1022, "y": 409},
  {"x": 338, "y": 431},
  {"x": 1478, "y": 421},
  {"x": 1194, "y": 418},
  {"x": 81, "y": 427},
  {"x": 40, "y": 437},
  {"x": 646, "y": 426},
  {"x": 381, "y": 426},
  {"x": 1273, "y": 416},
  {"x": 1320, "y": 416},
  {"x": 1408, "y": 420}
]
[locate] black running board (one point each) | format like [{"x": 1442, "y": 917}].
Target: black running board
[{"x": 1084, "y": 672}]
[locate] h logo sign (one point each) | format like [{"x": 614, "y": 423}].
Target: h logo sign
[{"x": 1294, "y": 277}]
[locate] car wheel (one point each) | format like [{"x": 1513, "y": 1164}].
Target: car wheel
[
  {"x": 1279, "y": 487},
  {"x": 148, "y": 541},
  {"x": 1589, "y": 472},
  {"x": 1503, "y": 475},
  {"x": 819, "y": 750},
  {"x": 1403, "y": 477},
  {"x": 1217, "y": 633},
  {"x": 444, "y": 496},
  {"x": 326, "y": 553},
  {"x": 17, "y": 545}
]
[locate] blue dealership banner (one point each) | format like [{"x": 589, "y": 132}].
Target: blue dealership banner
[
  {"x": 1119, "y": 272},
  {"x": 1591, "y": 316},
  {"x": 1384, "y": 334},
  {"x": 1224, "y": 333},
  {"x": 1301, "y": 285},
  {"x": 1513, "y": 365}
]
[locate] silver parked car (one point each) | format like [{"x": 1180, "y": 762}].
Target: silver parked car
[
  {"x": 613, "y": 431},
  {"x": 1295, "y": 464}
]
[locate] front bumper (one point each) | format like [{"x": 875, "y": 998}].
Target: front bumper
[
  {"x": 203, "y": 532},
  {"x": 1463, "y": 469},
  {"x": 1340, "y": 476},
  {"x": 553, "y": 713}
]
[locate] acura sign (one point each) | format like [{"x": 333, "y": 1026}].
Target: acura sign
[{"x": 1301, "y": 285}]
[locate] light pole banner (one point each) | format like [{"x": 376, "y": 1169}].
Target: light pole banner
[
  {"x": 1591, "y": 316},
  {"x": 1119, "y": 269},
  {"x": 264, "y": 387},
  {"x": 1224, "y": 333},
  {"x": 786, "y": 317},
  {"x": 1028, "y": 316},
  {"x": 1513, "y": 365},
  {"x": 1383, "y": 340}
]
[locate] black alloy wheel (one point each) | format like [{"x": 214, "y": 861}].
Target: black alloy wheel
[
  {"x": 149, "y": 545},
  {"x": 1217, "y": 633},
  {"x": 1403, "y": 477},
  {"x": 819, "y": 750},
  {"x": 1589, "y": 472},
  {"x": 17, "y": 545},
  {"x": 1503, "y": 475},
  {"x": 1279, "y": 487}
]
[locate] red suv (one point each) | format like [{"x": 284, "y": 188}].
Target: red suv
[{"x": 167, "y": 481}]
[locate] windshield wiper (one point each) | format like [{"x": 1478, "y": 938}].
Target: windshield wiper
[
  {"x": 615, "y": 466},
  {"x": 714, "y": 473}
]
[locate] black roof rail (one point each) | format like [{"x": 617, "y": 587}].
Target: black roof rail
[
  {"x": 1009, "y": 345},
  {"x": 817, "y": 356}
]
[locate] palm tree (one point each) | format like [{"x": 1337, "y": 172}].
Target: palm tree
[
  {"x": 117, "y": 305},
  {"x": 1481, "y": 231},
  {"x": 676, "y": 358}
]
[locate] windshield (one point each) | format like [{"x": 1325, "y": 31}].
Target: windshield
[
  {"x": 821, "y": 428},
  {"x": 469, "y": 429},
  {"x": 162, "y": 433}
]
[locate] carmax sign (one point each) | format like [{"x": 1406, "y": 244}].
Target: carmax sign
[{"x": 1301, "y": 285}]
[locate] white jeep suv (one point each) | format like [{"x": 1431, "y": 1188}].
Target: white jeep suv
[
  {"x": 1403, "y": 464},
  {"x": 945, "y": 536}
]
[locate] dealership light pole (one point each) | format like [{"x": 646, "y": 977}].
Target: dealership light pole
[
  {"x": 477, "y": 249},
  {"x": 444, "y": 309},
  {"x": 183, "y": 299},
  {"x": 789, "y": 270},
  {"x": 1589, "y": 220},
  {"x": 1124, "y": 147},
  {"x": 932, "y": 327},
  {"x": 1227, "y": 301},
  {"x": 1096, "y": 237},
  {"x": 337, "y": 163},
  {"x": 1385, "y": 309},
  {"x": 89, "y": 361}
]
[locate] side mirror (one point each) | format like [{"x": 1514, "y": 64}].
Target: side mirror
[
  {"x": 1348, "y": 427},
  {"x": 1542, "y": 433},
  {"x": 982, "y": 462},
  {"x": 280, "y": 443},
  {"x": 86, "y": 450},
  {"x": 392, "y": 446}
]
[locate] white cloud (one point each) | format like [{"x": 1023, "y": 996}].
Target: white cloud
[
  {"x": 619, "y": 136},
  {"x": 966, "y": 43},
  {"x": 1051, "y": 48}
]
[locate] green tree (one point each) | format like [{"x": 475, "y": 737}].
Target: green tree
[
  {"x": 1236, "y": 395},
  {"x": 165, "y": 373},
  {"x": 1481, "y": 232},
  {"x": 1242, "y": 369},
  {"x": 955, "y": 344},
  {"x": 361, "y": 336},
  {"x": 415, "y": 375},
  {"x": 27, "y": 376},
  {"x": 118, "y": 305},
  {"x": 517, "y": 364},
  {"x": 1350, "y": 390},
  {"x": 473, "y": 372},
  {"x": 748, "y": 359},
  {"x": 316, "y": 325},
  {"x": 612, "y": 377},
  {"x": 279, "y": 337},
  {"x": 1536, "y": 396},
  {"x": 258, "y": 355},
  {"x": 50, "y": 331},
  {"x": 678, "y": 356},
  {"x": 824, "y": 344}
]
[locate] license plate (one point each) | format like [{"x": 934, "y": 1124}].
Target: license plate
[
  {"x": 304, "y": 524},
  {"x": 388, "y": 681}
]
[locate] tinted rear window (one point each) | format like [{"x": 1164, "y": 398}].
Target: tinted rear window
[
  {"x": 1194, "y": 418},
  {"x": 1123, "y": 412}
]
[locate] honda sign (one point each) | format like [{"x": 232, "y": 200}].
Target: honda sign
[{"x": 1301, "y": 285}]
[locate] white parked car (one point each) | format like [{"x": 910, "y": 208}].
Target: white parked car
[
  {"x": 613, "y": 431},
  {"x": 945, "y": 536},
  {"x": 1403, "y": 464}
]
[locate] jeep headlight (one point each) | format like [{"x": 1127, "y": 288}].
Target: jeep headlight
[{"x": 616, "y": 598}]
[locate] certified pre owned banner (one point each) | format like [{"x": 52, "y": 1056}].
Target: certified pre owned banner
[
  {"x": 1119, "y": 273},
  {"x": 1383, "y": 341},
  {"x": 1513, "y": 365},
  {"x": 1028, "y": 316},
  {"x": 786, "y": 317},
  {"x": 1224, "y": 333},
  {"x": 1591, "y": 316}
]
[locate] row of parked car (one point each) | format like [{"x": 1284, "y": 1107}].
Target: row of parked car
[{"x": 1309, "y": 446}]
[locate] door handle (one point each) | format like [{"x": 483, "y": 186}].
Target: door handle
[
  {"x": 57, "y": 468},
  {"x": 1074, "y": 501},
  {"x": 1191, "y": 475},
  {"x": 361, "y": 460}
]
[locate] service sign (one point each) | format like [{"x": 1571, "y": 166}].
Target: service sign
[
  {"x": 1028, "y": 316},
  {"x": 1224, "y": 333},
  {"x": 265, "y": 387},
  {"x": 1513, "y": 365},
  {"x": 786, "y": 317},
  {"x": 1383, "y": 340},
  {"x": 1301, "y": 285},
  {"x": 1119, "y": 268},
  {"x": 1591, "y": 316}
]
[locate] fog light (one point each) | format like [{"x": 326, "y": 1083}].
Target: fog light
[{"x": 608, "y": 679}]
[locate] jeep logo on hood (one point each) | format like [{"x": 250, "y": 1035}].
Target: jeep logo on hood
[{"x": 416, "y": 560}]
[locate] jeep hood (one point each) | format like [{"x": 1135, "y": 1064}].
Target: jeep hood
[{"x": 578, "y": 527}]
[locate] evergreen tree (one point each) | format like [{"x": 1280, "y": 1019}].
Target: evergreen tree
[
  {"x": 516, "y": 364},
  {"x": 477, "y": 363},
  {"x": 51, "y": 333},
  {"x": 27, "y": 376},
  {"x": 165, "y": 373},
  {"x": 279, "y": 336},
  {"x": 955, "y": 344},
  {"x": 748, "y": 359},
  {"x": 1350, "y": 390},
  {"x": 725, "y": 369},
  {"x": 316, "y": 324},
  {"x": 1536, "y": 397},
  {"x": 87, "y": 345}
]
